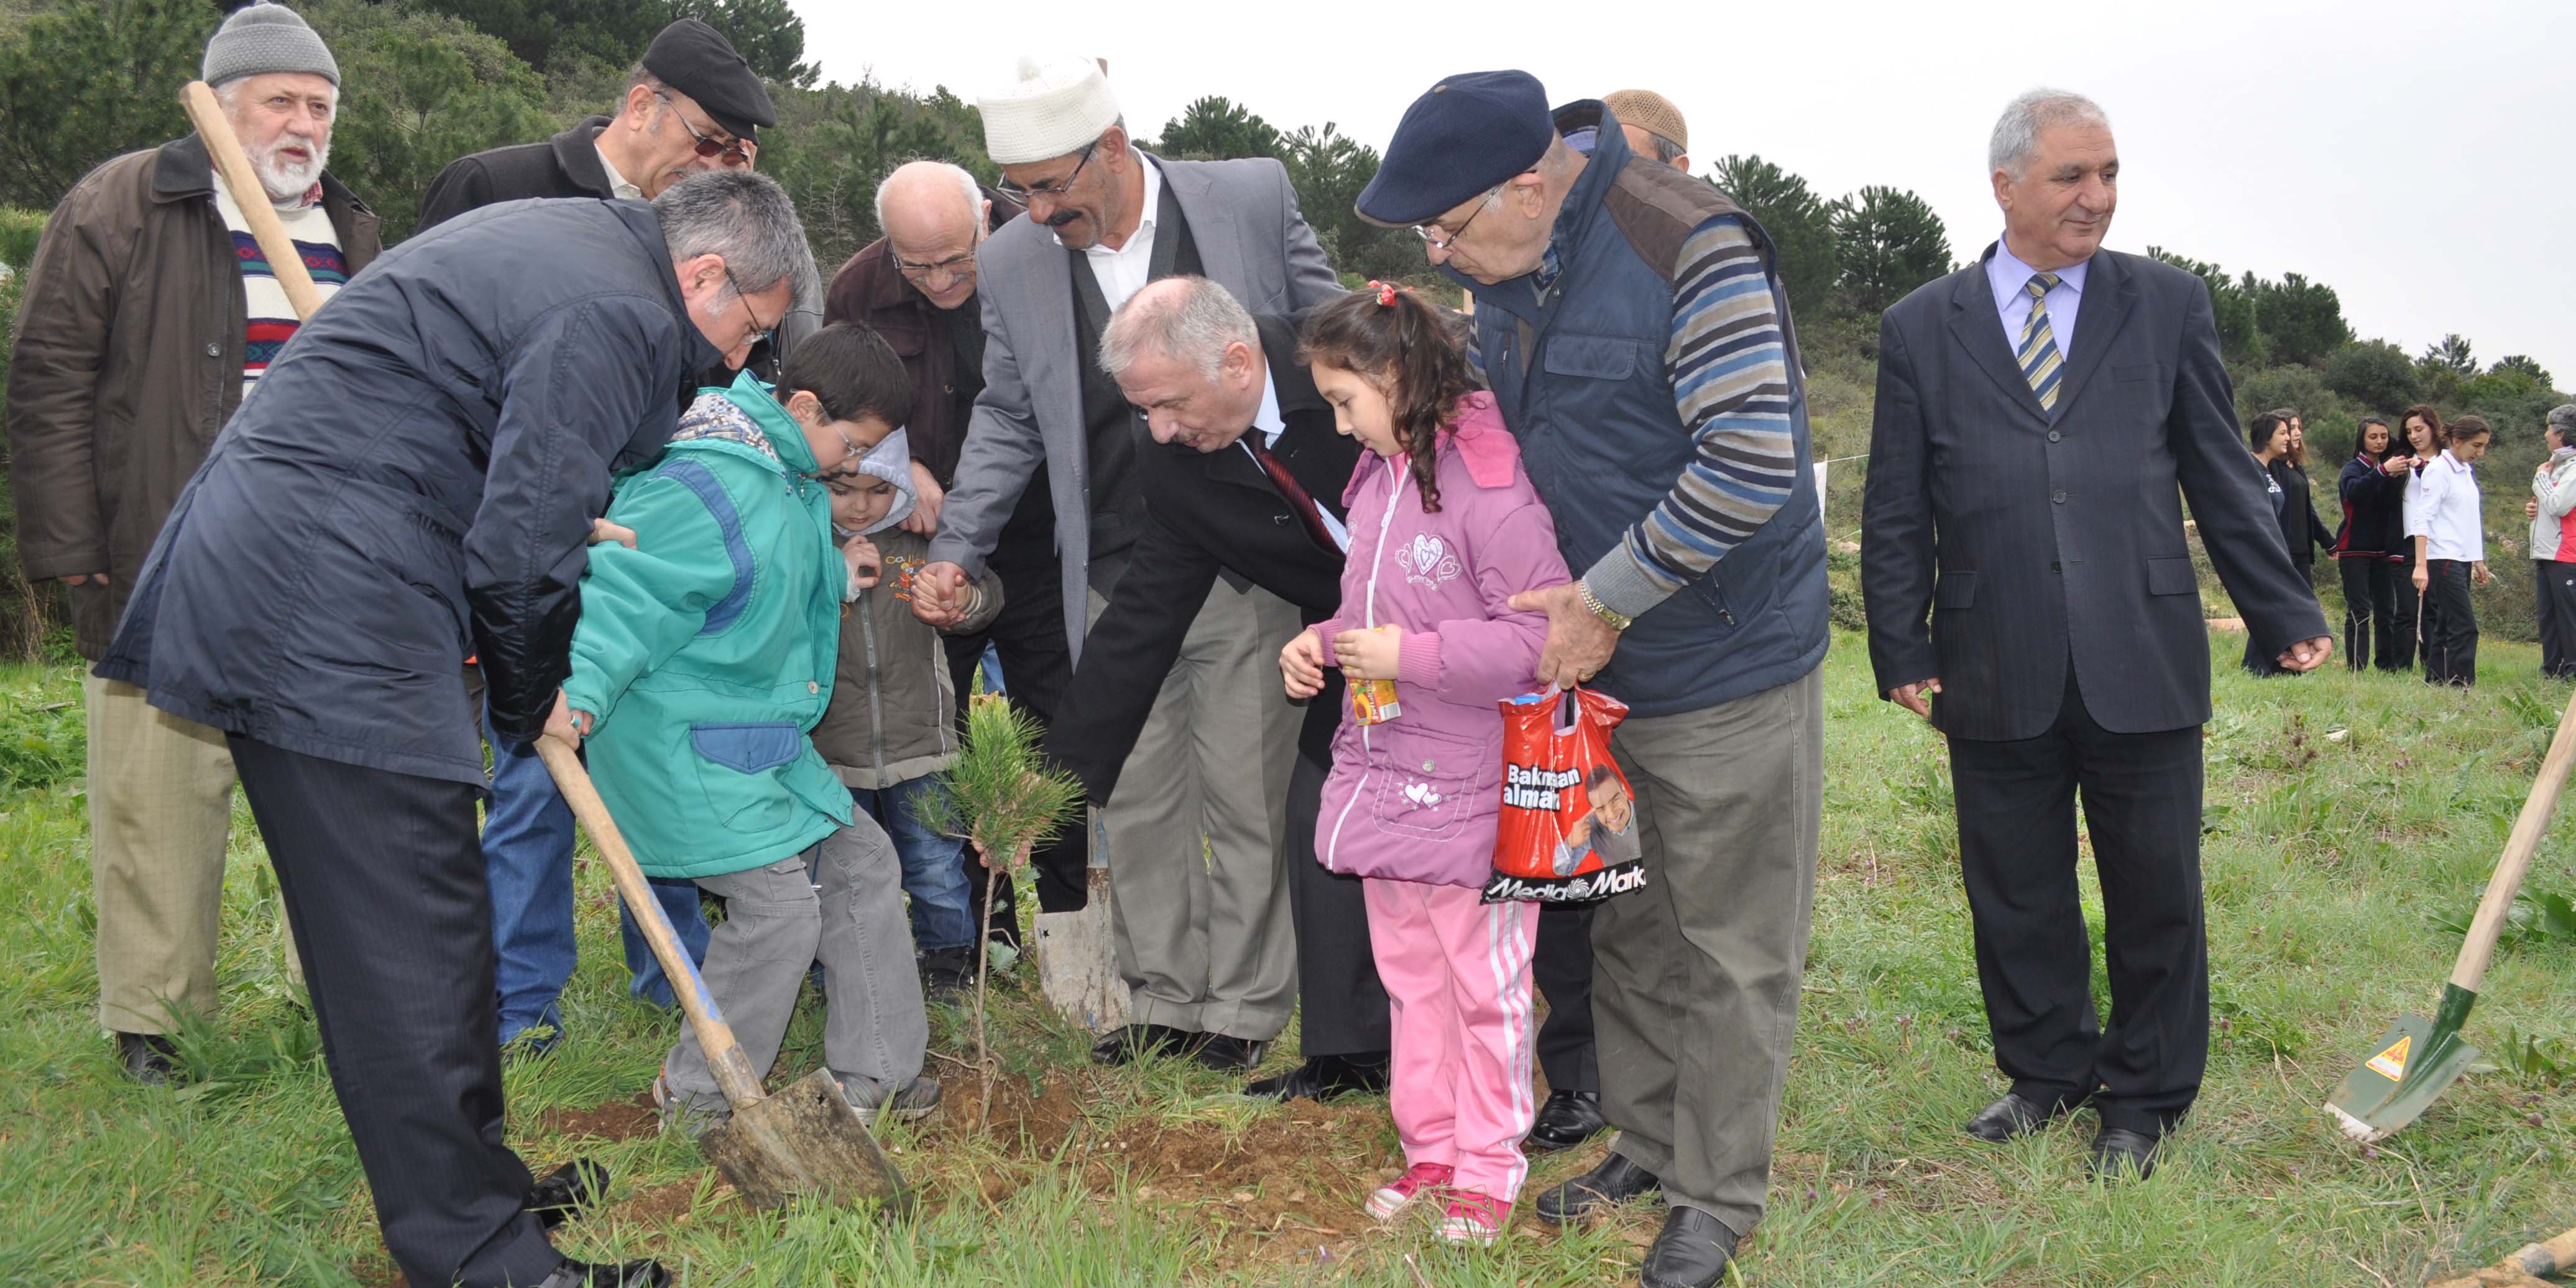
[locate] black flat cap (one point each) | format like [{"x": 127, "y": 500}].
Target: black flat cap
[
  {"x": 691, "y": 57},
  {"x": 1462, "y": 137}
]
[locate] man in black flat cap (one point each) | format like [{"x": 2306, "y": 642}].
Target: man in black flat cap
[{"x": 692, "y": 105}]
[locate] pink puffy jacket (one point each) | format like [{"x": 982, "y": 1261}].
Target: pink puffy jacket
[{"x": 1416, "y": 798}]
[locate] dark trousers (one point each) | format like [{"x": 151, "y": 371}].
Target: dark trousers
[
  {"x": 2017, "y": 828},
  {"x": 1341, "y": 1006},
  {"x": 383, "y": 879},
  {"x": 2410, "y": 612},
  {"x": 2369, "y": 612},
  {"x": 1562, "y": 968},
  {"x": 2428, "y": 616},
  {"x": 1029, "y": 634},
  {"x": 2451, "y": 651},
  {"x": 2557, "y": 589}
]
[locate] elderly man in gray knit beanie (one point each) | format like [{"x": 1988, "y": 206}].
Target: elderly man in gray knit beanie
[
  {"x": 280, "y": 88},
  {"x": 112, "y": 402}
]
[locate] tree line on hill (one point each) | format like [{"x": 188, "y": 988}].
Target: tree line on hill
[{"x": 432, "y": 80}]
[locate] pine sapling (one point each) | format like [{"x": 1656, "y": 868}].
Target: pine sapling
[{"x": 998, "y": 796}]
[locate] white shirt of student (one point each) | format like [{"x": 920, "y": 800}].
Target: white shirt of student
[
  {"x": 2442, "y": 507},
  {"x": 1124, "y": 271}
]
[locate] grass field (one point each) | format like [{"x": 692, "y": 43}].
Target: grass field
[{"x": 2351, "y": 817}]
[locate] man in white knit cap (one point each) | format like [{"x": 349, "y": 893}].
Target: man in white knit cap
[{"x": 1200, "y": 846}]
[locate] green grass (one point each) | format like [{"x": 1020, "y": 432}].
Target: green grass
[{"x": 2351, "y": 815}]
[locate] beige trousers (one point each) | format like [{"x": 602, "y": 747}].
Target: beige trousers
[
  {"x": 160, "y": 813},
  {"x": 1198, "y": 900}
]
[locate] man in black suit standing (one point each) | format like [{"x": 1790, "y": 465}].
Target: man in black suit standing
[
  {"x": 1244, "y": 479},
  {"x": 2042, "y": 415}
]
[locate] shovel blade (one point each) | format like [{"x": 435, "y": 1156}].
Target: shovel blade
[
  {"x": 804, "y": 1142},
  {"x": 2410, "y": 1066}
]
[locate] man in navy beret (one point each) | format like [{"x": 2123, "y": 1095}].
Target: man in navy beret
[{"x": 1627, "y": 313}]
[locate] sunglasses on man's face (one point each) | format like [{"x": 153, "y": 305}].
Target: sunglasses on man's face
[{"x": 727, "y": 152}]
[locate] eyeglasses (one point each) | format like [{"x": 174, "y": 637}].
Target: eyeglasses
[
  {"x": 1426, "y": 231},
  {"x": 761, "y": 331},
  {"x": 955, "y": 266},
  {"x": 1053, "y": 188},
  {"x": 728, "y": 152}
]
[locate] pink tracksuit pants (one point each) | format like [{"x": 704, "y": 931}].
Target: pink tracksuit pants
[{"x": 1457, "y": 976}]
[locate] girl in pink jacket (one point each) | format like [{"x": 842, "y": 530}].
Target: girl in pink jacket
[{"x": 1445, "y": 529}]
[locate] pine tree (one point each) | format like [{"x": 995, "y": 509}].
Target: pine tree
[{"x": 1889, "y": 242}]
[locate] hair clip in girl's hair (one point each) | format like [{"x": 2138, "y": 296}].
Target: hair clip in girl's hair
[{"x": 1385, "y": 294}]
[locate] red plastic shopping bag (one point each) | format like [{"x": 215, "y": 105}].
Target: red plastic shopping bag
[{"x": 1569, "y": 825}]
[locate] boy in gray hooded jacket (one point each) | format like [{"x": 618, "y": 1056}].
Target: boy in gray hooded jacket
[{"x": 892, "y": 724}]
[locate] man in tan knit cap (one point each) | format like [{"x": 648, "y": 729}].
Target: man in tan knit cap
[{"x": 1653, "y": 125}]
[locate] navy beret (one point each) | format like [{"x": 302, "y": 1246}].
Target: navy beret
[
  {"x": 1462, "y": 137},
  {"x": 693, "y": 58}
]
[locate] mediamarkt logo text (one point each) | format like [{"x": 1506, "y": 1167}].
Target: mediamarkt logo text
[{"x": 1582, "y": 889}]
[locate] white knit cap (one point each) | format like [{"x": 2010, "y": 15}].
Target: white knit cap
[{"x": 1052, "y": 108}]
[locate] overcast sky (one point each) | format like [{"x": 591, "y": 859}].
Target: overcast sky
[{"x": 2417, "y": 155}]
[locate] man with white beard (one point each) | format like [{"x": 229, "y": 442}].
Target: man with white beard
[{"x": 150, "y": 313}]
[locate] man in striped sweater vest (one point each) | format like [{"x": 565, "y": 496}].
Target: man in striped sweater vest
[
  {"x": 1632, "y": 326},
  {"x": 158, "y": 312}
]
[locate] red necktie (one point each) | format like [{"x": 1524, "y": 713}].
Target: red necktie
[{"x": 1299, "y": 503}]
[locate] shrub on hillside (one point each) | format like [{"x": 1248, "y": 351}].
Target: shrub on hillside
[{"x": 43, "y": 740}]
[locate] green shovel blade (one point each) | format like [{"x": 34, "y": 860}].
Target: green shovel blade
[{"x": 2408, "y": 1069}]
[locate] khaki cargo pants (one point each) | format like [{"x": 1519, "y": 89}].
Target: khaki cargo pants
[{"x": 160, "y": 813}]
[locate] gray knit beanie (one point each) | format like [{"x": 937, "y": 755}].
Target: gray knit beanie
[{"x": 262, "y": 38}]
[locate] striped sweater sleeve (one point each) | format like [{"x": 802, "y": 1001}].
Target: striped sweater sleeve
[{"x": 1730, "y": 374}]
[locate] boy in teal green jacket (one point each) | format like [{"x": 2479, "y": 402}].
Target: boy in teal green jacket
[{"x": 703, "y": 658}]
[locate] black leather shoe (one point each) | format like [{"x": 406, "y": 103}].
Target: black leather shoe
[
  {"x": 1568, "y": 1119},
  {"x": 1326, "y": 1077},
  {"x": 1692, "y": 1252},
  {"x": 2123, "y": 1155},
  {"x": 625, "y": 1274},
  {"x": 148, "y": 1057},
  {"x": 947, "y": 975},
  {"x": 1227, "y": 1054},
  {"x": 567, "y": 1192},
  {"x": 1137, "y": 1041},
  {"x": 1615, "y": 1180},
  {"x": 2009, "y": 1117}
]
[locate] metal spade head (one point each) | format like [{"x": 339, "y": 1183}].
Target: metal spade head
[
  {"x": 804, "y": 1141},
  {"x": 2408, "y": 1069}
]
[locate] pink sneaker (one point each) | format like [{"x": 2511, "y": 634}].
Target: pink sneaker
[
  {"x": 1422, "y": 1179},
  {"x": 1474, "y": 1217}
]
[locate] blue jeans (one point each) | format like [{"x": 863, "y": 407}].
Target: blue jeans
[
  {"x": 992, "y": 664},
  {"x": 527, "y": 862},
  {"x": 934, "y": 866}
]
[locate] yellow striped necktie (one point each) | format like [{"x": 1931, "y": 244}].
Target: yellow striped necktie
[{"x": 2041, "y": 364}]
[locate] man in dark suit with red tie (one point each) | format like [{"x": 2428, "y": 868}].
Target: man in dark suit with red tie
[
  {"x": 2043, "y": 414},
  {"x": 1244, "y": 479}
]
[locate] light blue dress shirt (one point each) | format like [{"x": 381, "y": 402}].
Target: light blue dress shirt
[{"x": 2010, "y": 279}]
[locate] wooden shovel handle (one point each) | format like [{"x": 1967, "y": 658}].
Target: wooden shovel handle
[
  {"x": 207, "y": 113},
  {"x": 734, "y": 1074},
  {"x": 2479, "y": 948}
]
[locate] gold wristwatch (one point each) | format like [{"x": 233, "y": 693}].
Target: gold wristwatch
[{"x": 1615, "y": 621}]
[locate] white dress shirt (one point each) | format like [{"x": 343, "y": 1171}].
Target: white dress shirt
[
  {"x": 617, "y": 183},
  {"x": 2010, "y": 280},
  {"x": 1271, "y": 424},
  {"x": 2442, "y": 508},
  {"x": 1124, "y": 271}
]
